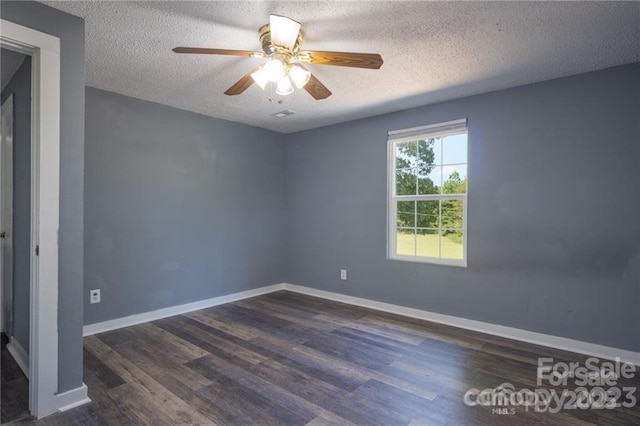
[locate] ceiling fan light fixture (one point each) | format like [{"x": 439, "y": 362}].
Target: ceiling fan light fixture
[
  {"x": 299, "y": 75},
  {"x": 274, "y": 69},
  {"x": 281, "y": 40},
  {"x": 284, "y": 86},
  {"x": 260, "y": 77}
]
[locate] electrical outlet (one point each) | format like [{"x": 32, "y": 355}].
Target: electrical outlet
[
  {"x": 343, "y": 274},
  {"x": 94, "y": 296}
]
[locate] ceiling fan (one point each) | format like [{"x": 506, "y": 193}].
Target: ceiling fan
[{"x": 281, "y": 39}]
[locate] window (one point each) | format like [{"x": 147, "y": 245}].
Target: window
[{"x": 428, "y": 193}]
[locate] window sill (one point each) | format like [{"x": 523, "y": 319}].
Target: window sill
[{"x": 430, "y": 260}]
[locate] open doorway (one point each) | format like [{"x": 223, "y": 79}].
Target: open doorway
[
  {"x": 15, "y": 232},
  {"x": 43, "y": 216}
]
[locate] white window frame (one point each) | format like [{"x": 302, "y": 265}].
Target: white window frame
[{"x": 448, "y": 128}]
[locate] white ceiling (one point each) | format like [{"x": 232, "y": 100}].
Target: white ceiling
[{"x": 432, "y": 51}]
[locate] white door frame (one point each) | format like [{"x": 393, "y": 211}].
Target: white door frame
[{"x": 44, "y": 50}]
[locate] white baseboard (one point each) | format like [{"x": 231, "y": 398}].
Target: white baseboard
[
  {"x": 19, "y": 354},
  {"x": 64, "y": 401},
  {"x": 563, "y": 343},
  {"x": 72, "y": 398},
  {"x": 114, "y": 324}
]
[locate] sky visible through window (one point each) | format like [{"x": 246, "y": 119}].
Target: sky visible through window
[
  {"x": 455, "y": 152},
  {"x": 447, "y": 155}
]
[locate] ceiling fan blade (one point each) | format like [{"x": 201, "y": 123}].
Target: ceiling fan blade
[
  {"x": 284, "y": 31},
  {"x": 341, "y": 59},
  {"x": 207, "y": 51},
  {"x": 317, "y": 89},
  {"x": 241, "y": 85}
]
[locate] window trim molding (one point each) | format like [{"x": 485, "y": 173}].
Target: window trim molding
[{"x": 448, "y": 128}]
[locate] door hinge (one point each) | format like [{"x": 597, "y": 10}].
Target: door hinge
[{"x": 37, "y": 250}]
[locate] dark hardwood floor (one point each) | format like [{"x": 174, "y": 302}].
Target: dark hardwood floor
[
  {"x": 14, "y": 387},
  {"x": 290, "y": 359}
]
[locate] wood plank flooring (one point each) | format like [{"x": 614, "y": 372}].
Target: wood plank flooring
[{"x": 289, "y": 359}]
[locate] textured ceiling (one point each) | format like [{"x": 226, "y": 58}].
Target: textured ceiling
[{"x": 432, "y": 51}]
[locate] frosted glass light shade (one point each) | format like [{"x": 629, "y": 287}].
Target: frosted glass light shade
[
  {"x": 284, "y": 31},
  {"x": 274, "y": 70},
  {"x": 299, "y": 75},
  {"x": 284, "y": 86},
  {"x": 260, "y": 77}
]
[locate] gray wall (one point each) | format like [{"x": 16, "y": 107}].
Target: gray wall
[
  {"x": 10, "y": 62},
  {"x": 70, "y": 30},
  {"x": 20, "y": 87},
  {"x": 179, "y": 207},
  {"x": 553, "y": 208}
]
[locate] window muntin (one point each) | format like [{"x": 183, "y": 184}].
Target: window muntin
[{"x": 428, "y": 194}]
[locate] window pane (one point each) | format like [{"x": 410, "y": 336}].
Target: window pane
[
  {"x": 454, "y": 149},
  {"x": 452, "y": 211},
  {"x": 406, "y": 242},
  {"x": 430, "y": 182},
  {"x": 426, "y": 153},
  {"x": 437, "y": 150},
  {"x": 428, "y": 212},
  {"x": 428, "y": 243},
  {"x": 406, "y": 214},
  {"x": 454, "y": 179},
  {"x": 406, "y": 182},
  {"x": 452, "y": 244},
  {"x": 406, "y": 155}
]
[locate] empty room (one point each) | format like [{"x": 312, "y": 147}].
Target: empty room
[{"x": 320, "y": 213}]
